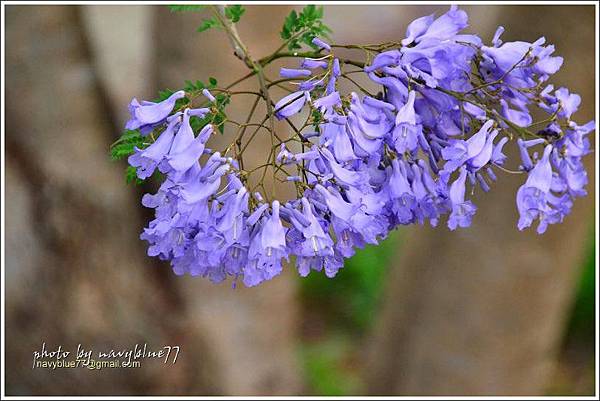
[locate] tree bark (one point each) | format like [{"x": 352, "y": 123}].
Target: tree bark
[
  {"x": 75, "y": 268},
  {"x": 480, "y": 311}
]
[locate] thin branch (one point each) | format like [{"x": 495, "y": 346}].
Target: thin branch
[
  {"x": 239, "y": 49},
  {"x": 359, "y": 86}
]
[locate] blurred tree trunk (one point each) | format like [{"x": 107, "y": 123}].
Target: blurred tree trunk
[
  {"x": 74, "y": 262},
  {"x": 76, "y": 267},
  {"x": 251, "y": 331},
  {"x": 480, "y": 311}
]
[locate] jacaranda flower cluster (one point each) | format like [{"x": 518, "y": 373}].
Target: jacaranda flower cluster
[{"x": 412, "y": 153}]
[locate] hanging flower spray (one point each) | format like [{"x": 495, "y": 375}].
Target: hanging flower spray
[{"x": 413, "y": 152}]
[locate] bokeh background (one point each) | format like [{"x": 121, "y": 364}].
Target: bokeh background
[{"x": 484, "y": 311}]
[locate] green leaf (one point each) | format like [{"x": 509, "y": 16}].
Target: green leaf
[
  {"x": 127, "y": 136},
  {"x": 309, "y": 12},
  {"x": 199, "y": 85},
  {"x": 193, "y": 86},
  {"x": 126, "y": 144},
  {"x": 319, "y": 12},
  {"x": 234, "y": 13},
  {"x": 124, "y": 147},
  {"x": 131, "y": 176},
  {"x": 183, "y": 8},
  {"x": 317, "y": 117},
  {"x": 198, "y": 123},
  {"x": 209, "y": 23},
  {"x": 299, "y": 29},
  {"x": 289, "y": 25},
  {"x": 163, "y": 95},
  {"x": 218, "y": 119}
]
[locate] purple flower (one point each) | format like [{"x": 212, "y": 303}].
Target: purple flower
[
  {"x": 208, "y": 95},
  {"x": 230, "y": 220},
  {"x": 385, "y": 59},
  {"x": 403, "y": 202},
  {"x": 526, "y": 163},
  {"x": 396, "y": 88},
  {"x": 290, "y": 104},
  {"x": 315, "y": 245},
  {"x": 336, "y": 71},
  {"x": 462, "y": 211},
  {"x": 326, "y": 103},
  {"x": 519, "y": 64},
  {"x": 498, "y": 157},
  {"x": 350, "y": 217},
  {"x": 425, "y": 196},
  {"x": 267, "y": 248},
  {"x": 196, "y": 184},
  {"x": 146, "y": 114},
  {"x": 186, "y": 150},
  {"x": 475, "y": 152},
  {"x": 320, "y": 44},
  {"x": 406, "y": 131},
  {"x": 442, "y": 28},
  {"x": 339, "y": 141},
  {"x": 344, "y": 176},
  {"x": 379, "y": 104},
  {"x": 569, "y": 102},
  {"x": 284, "y": 156},
  {"x": 148, "y": 159},
  {"x": 367, "y": 126},
  {"x": 533, "y": 196},
  {"x": 362, "y": 165},
  {"x": 294, "y": 73},
  {"x": 520, "y": 118},
  {"x": 435, "y": 53},
  {"x": 313, "y": 63}
]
